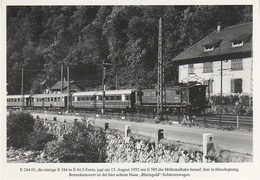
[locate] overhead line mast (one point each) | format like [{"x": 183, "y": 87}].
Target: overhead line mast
[{"x": 160, "y": 90}]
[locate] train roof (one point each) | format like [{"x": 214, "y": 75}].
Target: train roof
[
  {"x": 115, "y": 92},
  {"x": 87, "y": 93},
  {"x": 50, "y": 95},
  {"x": 108, "y": 92},
  {"x": 179, "y": 85},
  {"x": 18, "y": 96}
]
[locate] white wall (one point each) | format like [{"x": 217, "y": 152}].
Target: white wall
[{"x": 244, "y": 74}]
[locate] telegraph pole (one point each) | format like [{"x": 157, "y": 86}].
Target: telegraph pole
[
  {"x": 106, "y": 63},
  {"x": 104, "y": 88},
  {"x": 61, "y": 89},
  {"x": 221, "y": 91},
  {"x": 68, "y": 87},
  {"x": 160, "y": 90},
  {"x": 22, "y": 89}
]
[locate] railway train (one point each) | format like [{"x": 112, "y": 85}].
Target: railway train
[{"x": 190, "y": 97}]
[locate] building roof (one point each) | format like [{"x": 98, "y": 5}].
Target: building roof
[
  {"x": 222, "y": 43},
  {"x": 57, "y": 86},
  {"x": 48, "y": 83}
]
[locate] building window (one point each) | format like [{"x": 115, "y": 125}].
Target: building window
[
  {"x": 208, "y": 48},
  {"x": 236, "y": 86},
  {"x": 236, "y": 64},
  {"x": 210, "y": 85},
  {"x": 241, "y": 40},
  {"x": 191, "y": 69},
  {"x": 208, "y": 67},
  {"x": 237, "y": 43}
]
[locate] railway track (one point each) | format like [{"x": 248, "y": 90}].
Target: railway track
[{"x": 231, "y": 121}]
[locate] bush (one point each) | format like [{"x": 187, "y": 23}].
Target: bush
[
  {"x": 19, "y": 126},
  {"x": 82, "y": 144},
  {"x": 231, "y": 100},
  {"x": 39, "y": 137}
]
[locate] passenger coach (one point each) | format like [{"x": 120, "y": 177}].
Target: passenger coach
[
  {"x": 115, "y": 99},
  {"x": 16, "y": 100},
  {"x": 49, "y": 100}
]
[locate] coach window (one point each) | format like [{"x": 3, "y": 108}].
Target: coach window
[
  {"x": 55, "y": 99},
  {"x": 177, "y": 92},
  {"x": 18, "y": 100},
  {"x": 51, "y": 98},
  {"x": 112, "y": 98},
  {"x": 58, "y": 99}
]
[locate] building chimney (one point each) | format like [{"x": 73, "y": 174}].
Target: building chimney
[{"x": 219, "y": 27}]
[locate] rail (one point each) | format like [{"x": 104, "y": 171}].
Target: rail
[{"x": 141, "y": 115}]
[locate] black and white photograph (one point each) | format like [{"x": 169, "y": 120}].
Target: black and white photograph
[{"x": 129, "y": 91}]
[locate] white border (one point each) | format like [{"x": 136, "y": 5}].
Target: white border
[{"x": 247, "y": 170}]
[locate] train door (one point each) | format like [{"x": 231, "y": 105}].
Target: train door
[
  {"x": 184, "y": 95},
  {"x": 95, "y": 98},
  {"x": 31, "y": 101},
  {"x": 132, "y": 99},
  {"x": 65, "y": 101}
]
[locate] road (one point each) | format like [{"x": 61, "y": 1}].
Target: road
[{"x": 236, "y": 141}]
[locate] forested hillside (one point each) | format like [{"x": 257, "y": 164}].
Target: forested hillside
[{"x": 41, "y": 38}]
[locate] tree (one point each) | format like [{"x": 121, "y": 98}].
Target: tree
[
  {"x": 19, "y": 126},
  {"x": 82, "y": 144}
]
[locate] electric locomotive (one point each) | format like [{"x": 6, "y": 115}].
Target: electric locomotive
[{"x": 189, "y": 97}]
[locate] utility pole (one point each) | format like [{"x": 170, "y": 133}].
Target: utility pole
[
  {"x": 116, "y": 82},
  {"x": 68, "y": 87},
  {"x": 221, "y": 98},
  {"x": 104, "y": 88},
  {"x": 22, "y": 89},
  {"x": 61, "y": 88},
  {"x": 106, "y": 63},
  {"x": 160, "y": 90}
]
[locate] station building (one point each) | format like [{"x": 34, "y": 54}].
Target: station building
[{"x": 223, "y": 60}]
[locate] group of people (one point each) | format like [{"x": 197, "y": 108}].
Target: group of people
[
  {"x": 187, "y": 120},
  {"x": 138, "y": 151}
]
